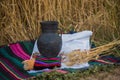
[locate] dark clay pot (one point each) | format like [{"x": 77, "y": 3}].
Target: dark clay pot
[{"x": 49, "y": 42}]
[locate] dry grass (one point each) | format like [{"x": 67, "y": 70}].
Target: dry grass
[
  {"x": 19, "y": 19},
  {"x": 78, "y": 57}
]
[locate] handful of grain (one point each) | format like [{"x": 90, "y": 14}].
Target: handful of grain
[{"x": 78, "y": 57}]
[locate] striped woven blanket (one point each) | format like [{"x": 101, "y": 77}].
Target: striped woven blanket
[
  {"x": 105, "y": 60},
  {"x": 43, "y": 62},
  {"x": 10, "y": 60},
  {"x": 12, "y": 55}
]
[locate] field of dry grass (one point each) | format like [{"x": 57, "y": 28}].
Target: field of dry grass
[{"x": 20, "y": 19}]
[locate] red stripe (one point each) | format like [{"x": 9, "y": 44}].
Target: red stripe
[
  {"x": 48, "y": 58},
  {"x": 16, "y": 70},
  {"x": 9, "y": 72},
  {"x": 112, "y": 60},
  {"x": 50, "y": 65},
  {"x": 100, "y": 61}
]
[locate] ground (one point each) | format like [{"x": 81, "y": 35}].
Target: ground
[{"x": 112, "y": 75}]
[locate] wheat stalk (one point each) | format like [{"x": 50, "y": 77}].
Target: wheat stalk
[
  {"x": 20, "y": 19},
  {"x": 78, "y": 57}
]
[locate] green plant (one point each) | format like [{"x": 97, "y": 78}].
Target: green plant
[{"x": 95, "y": 70}]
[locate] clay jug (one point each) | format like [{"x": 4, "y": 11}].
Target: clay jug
[{"x": 49, "y": 42}]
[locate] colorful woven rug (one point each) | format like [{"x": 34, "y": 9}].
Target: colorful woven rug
[
  {"x": 12, "y": 55},
  {"x": 105, "y": 60},
  {"x": 10, "y": 60},
  {"x": 43, "y": 63}
]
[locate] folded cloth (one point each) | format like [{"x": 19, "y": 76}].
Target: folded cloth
[
  {"x": 76, "y": 66},
  {"x": 43, "y": 62}
]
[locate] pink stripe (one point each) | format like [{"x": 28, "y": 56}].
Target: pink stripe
[
  {"x": 16, "y": 47},
  {"x": 13, "y": 48},
  {"x": 14, "y": 68},
  {"x": 21, "y": 51}
]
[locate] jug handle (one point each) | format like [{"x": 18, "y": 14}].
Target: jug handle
[{"x": 60, "y": 31}]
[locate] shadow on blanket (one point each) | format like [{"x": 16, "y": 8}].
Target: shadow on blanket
[{"x": 12, "y": 55}]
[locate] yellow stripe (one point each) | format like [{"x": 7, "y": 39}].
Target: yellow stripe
[{"x": 10, "y": 71}]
